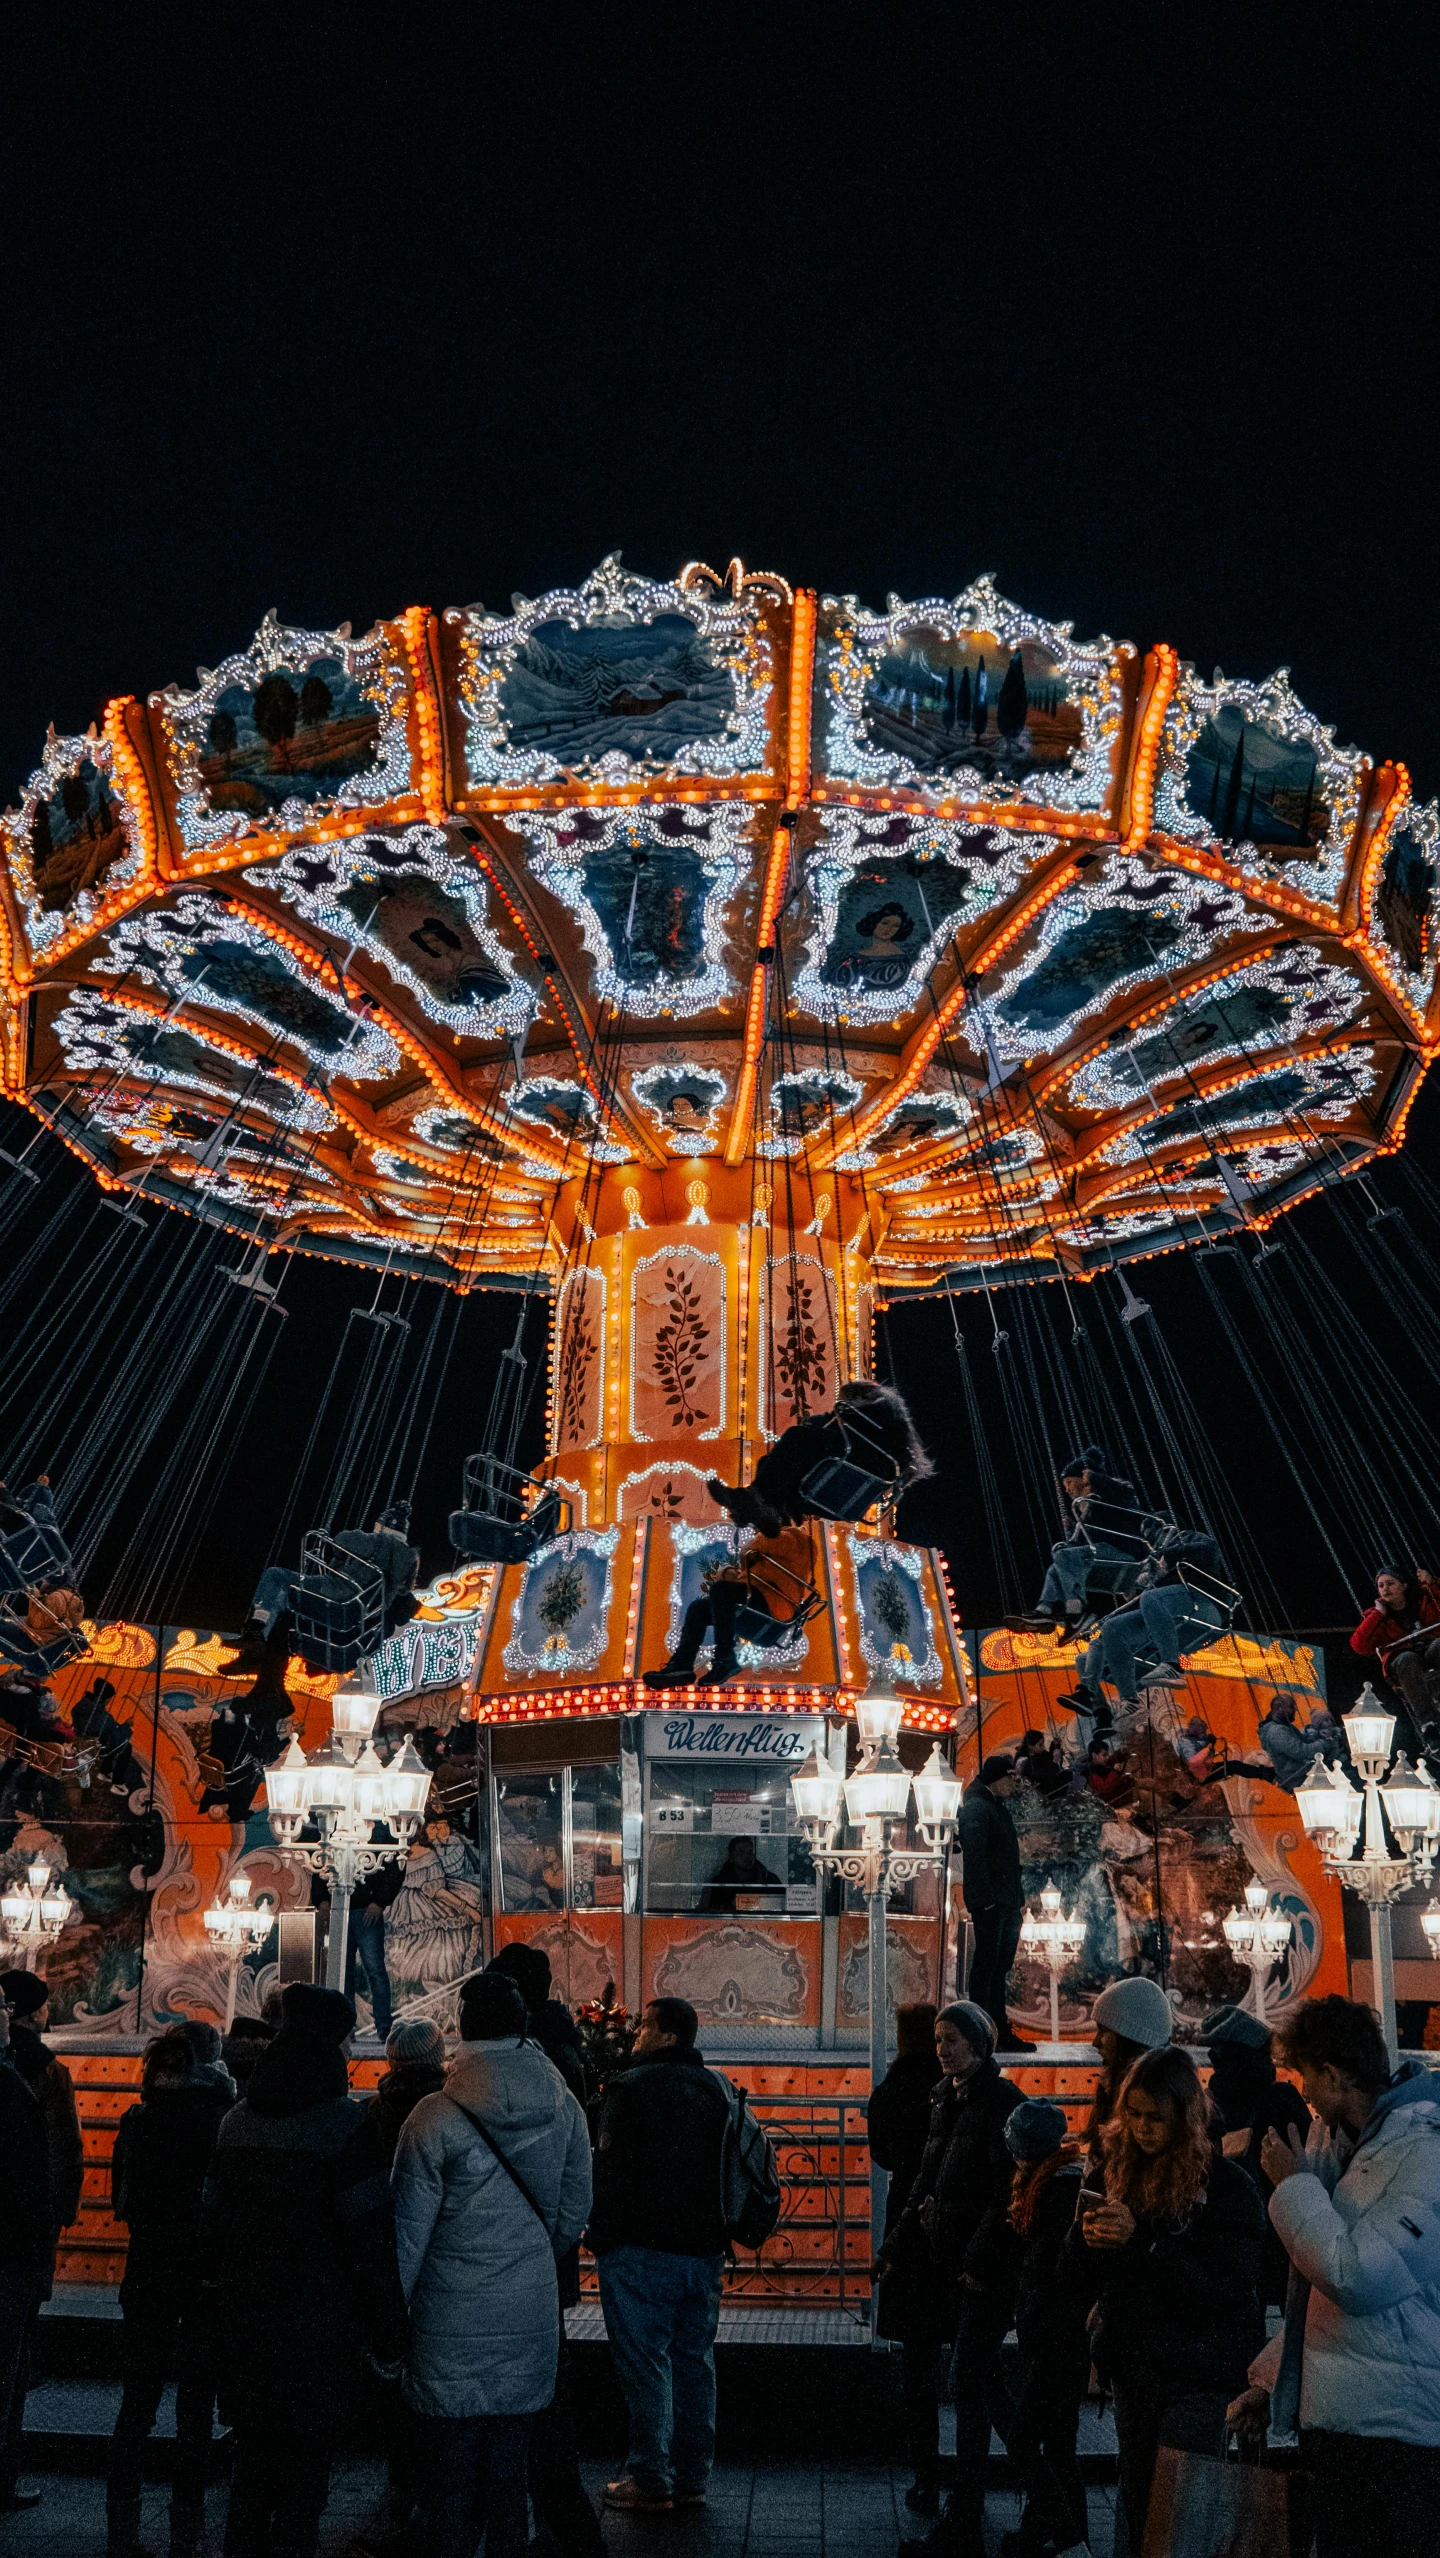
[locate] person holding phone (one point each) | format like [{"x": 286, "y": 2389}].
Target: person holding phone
[{"x": 1170, "y": 2261}]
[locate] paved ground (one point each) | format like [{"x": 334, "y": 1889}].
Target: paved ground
[{"x": 772, "y": 2510}]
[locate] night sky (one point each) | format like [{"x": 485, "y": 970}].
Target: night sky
[{"x": 338, "y": 310}]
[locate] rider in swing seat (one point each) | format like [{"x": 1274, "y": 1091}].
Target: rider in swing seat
[
  {"x": 773, "y": 1576},
  {"x": 384, "y": 1544},
  {"x": 1101, "y": 1511},
  {"x": 882, "y": 1429}
]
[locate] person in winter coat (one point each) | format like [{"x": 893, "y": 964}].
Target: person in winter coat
[
  {"x": 161, "y": 2158},
  {"x": 1290, "y": 1753},
  {"x": 994, "y": 1892},
  {"x": 1402, "y": 1631},
  {"x": 1357, "y": 2363},
  {"x": 27, "y": 2243},
  {"x": 297, "y": 2231},
  {"x": 913, "y": 2304},
  {"x": 1171, "y": 2261},
  {"x": 884, "y": 1436},
  {"x": 1054, "y": 2359},
  {"x": 658, "y": 2232},
  {"x": 956, "y": 2216},
  {"x": 1131, "y": 2017},
  {"x": 28, "y": 2003},
  {"x": 414, "y": 2067},
  {"x": 491, "y": 2182},
  {"x": 1249, "y": 2100}
]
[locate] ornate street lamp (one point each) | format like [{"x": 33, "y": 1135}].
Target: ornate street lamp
[
  {"x": 33, "y": 1914},
  {"x": 1050, "y": 1933},
  {"x": 1258, "y": 1935},
  {"x": 346, "y": 1791},
  {"x": 1379, "y": 1842},
  {"x": 237, "y": 1926},
  {"x": 877, "y": 1800}
]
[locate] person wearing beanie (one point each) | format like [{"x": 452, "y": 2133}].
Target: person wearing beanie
[
  {"x": 1248, "y": 2100},
  {"x": 386, "y": 1544},
  {"x": 955, "y": 2220},
  {"x": 26, "y": 2236},
  {"x": 491, "y": 2183},
  {"x": 994, "y": 1890},
  {"x": 1167, "y": 2268},
  {"x": 298, "y": 2235},
  {"x": 1130, "y": 2017},
  {"x": 911, "y": 2308},
  {"x": 1053, "y": 2361},
  {"x": 27, "y": 2001}
]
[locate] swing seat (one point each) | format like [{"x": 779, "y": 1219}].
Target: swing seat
[
  {"x": 33, "y": 1553},
  {"x": 846, "y": 1486},
  {"x": 779, "y": 1634},
  {"x": 338, "y": 1605},
  {"x": 19, "y": 1646},
  {"x": 506, "y": 1515}
]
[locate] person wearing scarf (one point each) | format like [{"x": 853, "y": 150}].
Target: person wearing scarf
[{"x": 1054, "y": 2360}]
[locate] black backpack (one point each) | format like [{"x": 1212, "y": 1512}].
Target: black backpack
[{"x": 749, "y": 2179}]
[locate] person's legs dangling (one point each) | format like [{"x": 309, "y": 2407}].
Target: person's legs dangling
[{"x": 680, "y": 1668}]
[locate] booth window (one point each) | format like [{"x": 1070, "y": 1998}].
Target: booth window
[
  {"x": 557, "y": 1838},
  {"x": 720, "y": 1843}
]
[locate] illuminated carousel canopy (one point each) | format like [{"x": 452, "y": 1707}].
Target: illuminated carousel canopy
[{"x": 981, "y": 953}]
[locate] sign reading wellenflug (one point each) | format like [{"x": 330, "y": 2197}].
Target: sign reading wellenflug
[{"x": 740, "y": 1740}]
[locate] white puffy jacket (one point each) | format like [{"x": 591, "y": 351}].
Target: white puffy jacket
[
  {"x": 1360, "y": 2350},
  {"x": 477, "y": 2266}
]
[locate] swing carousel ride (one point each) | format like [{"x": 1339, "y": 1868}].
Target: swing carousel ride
[{"x": 721, "y": 962}]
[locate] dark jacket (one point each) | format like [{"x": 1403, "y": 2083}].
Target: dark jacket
[
  {"x": 966, "y": 2168},
  {"x": 1049, "y": 2327},
  {"x": 991, "y": 1852},
  {"x": 298, "y": 2229},
  {"x": 27, "y": 2236},
  {"x": 1245, "y": 2099},
  {"x": 50, "y": 2083},
  {"x": 898, "y": 2120},
  {"x": 657, "y": 2167},
  {"x": 158, "y": 2167},
  {"x": 385, "y": 2114},
  {"x": 395, "y": 1561},
  {"x": 555, "y": 2030},
  {"x": 1182, "y": 2305}
]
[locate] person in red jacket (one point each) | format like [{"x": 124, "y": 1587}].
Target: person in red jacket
[{"x": 1406, "y": 1603}]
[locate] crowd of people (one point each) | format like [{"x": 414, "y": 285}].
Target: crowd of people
[
  {"x": 297, "y": 2255},
  {"x": 1238, "y": 2259}
]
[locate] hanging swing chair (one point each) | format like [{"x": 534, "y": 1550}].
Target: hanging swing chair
[
  {"x": 505, "y": 1515},
  {"x": 861, "y": 1476},
  {"x": 34, "y": 1562},
  {"x": 338, "y": 1603}
]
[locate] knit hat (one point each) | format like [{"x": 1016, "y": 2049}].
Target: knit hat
[
  {"x": 492, "y": 2007},
  {"x": 528, "y": 1966},
  {"x": 415, "y": 2043},
  {"x": 997, "y": 1765},
  {"x": 1035, "y": 2129},
  {"x": 1089, "y": 1459},
  {"x": 1138, "y": 2009},
  {"x": 1236, "y": 2025},
  {"x": 396, "y": 1518},
  {"x": 24, "y": 1993},
  {"x": 971, "y": 2021}
]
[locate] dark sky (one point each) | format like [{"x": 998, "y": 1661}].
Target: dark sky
[{"x": 340, "y": 309}]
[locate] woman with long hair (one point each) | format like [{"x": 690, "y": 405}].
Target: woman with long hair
[
  {"x": 1394, "y": 1630},
  {"x": 1171, "y": 2259},
  {"x": 1132, "y": 2017},
  {"x": 884, "y": 1436}
]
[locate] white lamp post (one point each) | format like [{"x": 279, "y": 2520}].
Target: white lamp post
[
  {"x": 33, "y": 1914},
  {"x": 876, "y": 1799},
  {"x": 1430, "y": 1921},
  {"x": 237, "y": 1926},
  {"x": 1378, "y": 1842},
  {"x": 347, "y": 1790},
  {"x": 1049, "y": 1932},
  {"x": 1257, "y": 1935}
]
